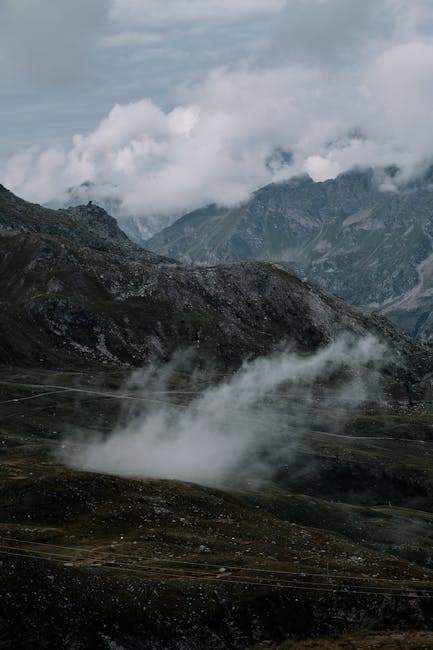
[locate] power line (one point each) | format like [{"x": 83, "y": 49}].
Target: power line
[
  {"x": 23, "y": 399},
  {"x": 151, "y": 572},
  {"x": 140, "y": 557}
]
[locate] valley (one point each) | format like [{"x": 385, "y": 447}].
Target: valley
[
  {"x": 193, "y": 457},
  {"x": 216, "y": 325},
  {"x": 236, "y": 559}
]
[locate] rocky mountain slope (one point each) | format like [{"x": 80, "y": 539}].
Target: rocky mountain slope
[
  {"x": 86, "y": 226},
  {"x": 355, "y": 236},
  {"x": 137, "y": 228},
  {"x": 75, "y": 290},
  {"x": 339, "y": 541},
  {"x": 338, "y": 538}
]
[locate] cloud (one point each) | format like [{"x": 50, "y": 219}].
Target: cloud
[
  {"x": 240, "y": 427},
  {"x": 133, "y": 39},
  {"x": 361, "y": 94},
  {"x": 331, "y": 31},
  {"x": 154, "y": 12},
  {"x": 51, "y": 42},
  {"x": 321, "y": 168},
  {"x": 214, "y": 147}
]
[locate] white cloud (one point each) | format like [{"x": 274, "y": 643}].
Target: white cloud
[
  {"x": 216, "y": 144},
  {"x": 213, "y": 148},
  {"x": 321, "y": 168},
  {"x": 237, "y": 428}
]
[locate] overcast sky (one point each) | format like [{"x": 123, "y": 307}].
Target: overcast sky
[{"x": 171, "y": 104}]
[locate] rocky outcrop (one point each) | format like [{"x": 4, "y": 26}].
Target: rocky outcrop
[{"x": 86, "y": 226}]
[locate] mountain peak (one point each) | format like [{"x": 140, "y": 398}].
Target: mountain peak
[
  {"x": 92, "y": 227},
  {"x": 349, "y": 234}
]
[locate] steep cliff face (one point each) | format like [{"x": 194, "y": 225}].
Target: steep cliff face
[{"x": 352, "y": 235}]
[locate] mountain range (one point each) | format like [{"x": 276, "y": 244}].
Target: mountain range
[
  {"x": 361, "y": 236},
  {"x": 336, "y": 538},
  {"x": 76, "y": 291}
]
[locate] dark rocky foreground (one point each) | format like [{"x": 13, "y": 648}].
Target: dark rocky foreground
[
  {"x": 96, "y": 561},
  {"x": 81, "y": 609}
]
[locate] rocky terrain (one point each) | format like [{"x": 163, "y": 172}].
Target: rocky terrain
[
  {"x": 90, "y": 560},
  {"x": 76, "y": 291},
  {"x": 360, "y": 236},
  {"x": 335, "y": 540},
  {"x": 86, "y": 226},
  {"x": 368, "y": 641}
]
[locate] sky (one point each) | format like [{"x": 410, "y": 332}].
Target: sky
[{"x": 168, "y": 106}]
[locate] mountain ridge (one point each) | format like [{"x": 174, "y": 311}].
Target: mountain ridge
[
  {"x": 349, "y": 494},
  {"x": 89, "y": 301},
  {"x": 370, "y": 245},
  {"x": 88, "y": 225}
]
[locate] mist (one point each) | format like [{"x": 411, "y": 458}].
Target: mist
[{"x": 240, "y": 428}]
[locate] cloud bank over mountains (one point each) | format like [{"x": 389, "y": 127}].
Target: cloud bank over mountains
[{"x": 333, "y": 83}]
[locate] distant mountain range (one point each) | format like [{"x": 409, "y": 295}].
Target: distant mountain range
[{"x": 356, "y": 236}]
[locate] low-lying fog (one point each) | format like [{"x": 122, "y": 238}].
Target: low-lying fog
[{"x": 240, "y": 427}]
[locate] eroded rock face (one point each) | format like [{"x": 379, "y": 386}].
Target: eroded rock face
[{"x": 352, "y": 235}]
